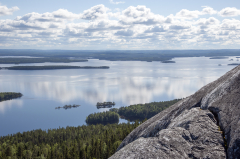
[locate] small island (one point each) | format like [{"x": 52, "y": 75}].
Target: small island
[
  {"x": 15, "y": 60},
  {"x": 53, "y": 67},
  {"x": 105, "y": 104},
  {"x": 168, "y": 61},
  {"x": 68, "y": 106},
  {"x": 219, "y": 57},
  {"x": 9, "y": 95},
  {"x": 102, "y": 118},
  {"x": 234, "y": 64}
]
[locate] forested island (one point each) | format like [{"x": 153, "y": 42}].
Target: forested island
[
  {"x": 234, "y": 64},
  {"x": 9, "y": 95},
  {"x": 168, "y": 61},
  {"x": 68, "y": 106},
  {"x": 219, "y": 57},
  {"x": 142, "y": 111},
  {"x": 102, "y": 118},
  {"x": 132, "y": 112},
  {"x": 105, "y": 105},
  {"x": 38, "y": 60},
  {"x": 82, "y": 142},
  {"x": 53, "y": 67}
]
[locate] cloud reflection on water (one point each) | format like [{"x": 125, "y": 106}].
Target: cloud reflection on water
[
  {"x": 128, "y": 90},
  {"x": 9, "y": 104}
]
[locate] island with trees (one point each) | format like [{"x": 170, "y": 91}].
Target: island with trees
[
  {"x": 168, "y": 61},
  {"x": 132, "y": 112},
  {"x": 105, "y": 105},
  {"x": 53, "y": 67},
  {"x": 234, "y": 64},
  {"x": 219, "y": 57},
  {"x": 86, "y": 141},
  {"x": 9, "y": 95},
  {"x": 15, "y": 60},
  {"x": 102, "y": 118},
  {"x": 142, "y": 111},
  {"x": 68, "y": 106}
]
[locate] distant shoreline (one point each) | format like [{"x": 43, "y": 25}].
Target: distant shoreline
[
  {"x": 53, "y": 67},
  {"x": 110, "y": 55}
]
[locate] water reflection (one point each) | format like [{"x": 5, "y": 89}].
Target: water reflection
[
  {"x": 127, "y": 90},
  {"x": 125, "y": 83},
  {"x": 10, "y": 104}
]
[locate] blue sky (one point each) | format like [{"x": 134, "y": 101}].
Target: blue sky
[{"x": 119, "y": 24}]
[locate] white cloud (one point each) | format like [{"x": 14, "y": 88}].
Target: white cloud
[
  {"x": 125, "y": 33},
  {"x": 184, "y": 13},
  {"x": 7, "y": 11},
  {"x": 135, "y": 27},
  {"x": 208, "y": 10},
  {"x": 140, "y": 15},
  {"x": 96, "y": 12},
  {"x": 229, "y": 12},
  {"x": 231, "y": 24},
  {"x": 156, "y": 29},
  {"x": 57, "y": 16},
  {"x": 65, "y": 14},
  {"x": 179, "y": 26},
  {"x": 112, "y": 2},
  {"x": 209, "y": 21}
]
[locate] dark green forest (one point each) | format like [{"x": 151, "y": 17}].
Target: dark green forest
[
  {"x": 103, "y": 118},
  {"x": 82, "y": 142},
  {"x": 53, "y": 67},
  {"x": 142, "y": 111},
  {"x": 132, "y": 112},
  {"x": 9, "y": 95}
]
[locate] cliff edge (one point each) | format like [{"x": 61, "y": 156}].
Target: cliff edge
[{"x": 203, "y": 125}]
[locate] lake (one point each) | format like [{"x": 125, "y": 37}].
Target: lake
[{"x": 125, "y": 83}]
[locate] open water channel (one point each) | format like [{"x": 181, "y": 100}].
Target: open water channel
[{"x": 125, "y": 83}]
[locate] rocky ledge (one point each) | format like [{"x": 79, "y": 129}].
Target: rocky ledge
[{"x": 203, "y": 125}]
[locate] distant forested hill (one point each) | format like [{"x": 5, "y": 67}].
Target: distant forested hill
[{"x": 119, "y": 55}]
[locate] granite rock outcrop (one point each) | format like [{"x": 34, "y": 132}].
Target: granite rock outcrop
[{"x": 203, "y": 125}]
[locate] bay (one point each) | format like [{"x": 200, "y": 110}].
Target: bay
[{"x": 125, "y": 83}]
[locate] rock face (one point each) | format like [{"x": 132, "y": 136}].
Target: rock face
[{"x": 203, "y": 125}]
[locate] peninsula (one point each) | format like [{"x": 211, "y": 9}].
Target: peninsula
[{"x": 53, "y": 67}]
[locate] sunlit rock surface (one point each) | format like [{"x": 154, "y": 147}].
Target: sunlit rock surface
[{"x": 196, "y": 127}]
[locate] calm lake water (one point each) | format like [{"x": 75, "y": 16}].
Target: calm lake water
[{"x": 125, "y": 83}]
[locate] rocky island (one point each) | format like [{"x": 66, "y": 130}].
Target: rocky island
[{"x": 203, "y": 125}]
